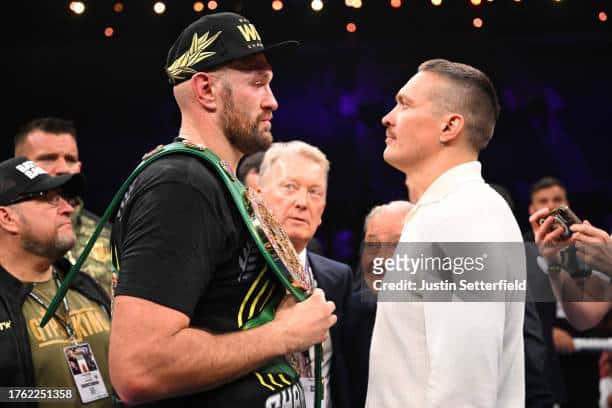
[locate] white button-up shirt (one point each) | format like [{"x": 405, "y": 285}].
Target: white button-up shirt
[{"x": 451, "y": 354}]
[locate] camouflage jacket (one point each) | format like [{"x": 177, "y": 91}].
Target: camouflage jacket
[{"x": 99, "y": 263}]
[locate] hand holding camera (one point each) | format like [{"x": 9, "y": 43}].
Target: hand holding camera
[
  {"x": 551, "y": 231},
  {"x": 563, "y": 217}
]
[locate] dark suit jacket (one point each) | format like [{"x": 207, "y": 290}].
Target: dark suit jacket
[
  {"x": 358, "y": 331},
  {"x": 540, "y": 292},
  {"x": 335, "y": 279}
]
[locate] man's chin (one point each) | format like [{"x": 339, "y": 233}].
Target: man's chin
[
  {"x": 390, "y": 158},
  {"x": 266, "y": 139}
]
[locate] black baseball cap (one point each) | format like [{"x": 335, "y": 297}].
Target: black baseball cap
[
  {"x": 214, "y": 40},
  {"x": 20, "y": 177}
]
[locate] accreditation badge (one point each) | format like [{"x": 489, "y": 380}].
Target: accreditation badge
[{"x": 85, "y": 372}]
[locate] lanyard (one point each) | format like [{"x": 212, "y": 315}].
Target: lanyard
[{"x": 66, "y": 324}]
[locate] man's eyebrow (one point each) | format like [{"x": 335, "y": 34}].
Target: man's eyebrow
[
  {"x": 403, "y": 99},
  {"x": 47, "y": 156},
  {"x": 261, "y": 74}
]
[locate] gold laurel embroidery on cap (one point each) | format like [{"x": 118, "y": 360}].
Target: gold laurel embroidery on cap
[{"x": 196, "y": 53}]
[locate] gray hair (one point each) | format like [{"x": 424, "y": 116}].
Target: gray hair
[
  {"x": 280, "y": 149},
  {"x": 377, "y": 210}
]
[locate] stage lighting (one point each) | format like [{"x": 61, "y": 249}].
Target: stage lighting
[
  {"x": 118, "y": 7},
  {"x": 198, "y": 6},
  {"x": 108, "y": 32},
  {"x": 77, "y": 7},
  {"x": 476, "y": 2},
  {"x": 212, "y": 5},
  {"x": 477, "y": 22},
  {"x": 436, "y": 2},
  {"x": 351, "y": 27},
  {"x": 317, "y": 5},
  {"x": 159, "y": 7},
  {"x": 357, "y": 4},
  {"x": 603, "y": 17},
  {"x": 396, "y": 3},
  {"x": 277, "y": 5}
]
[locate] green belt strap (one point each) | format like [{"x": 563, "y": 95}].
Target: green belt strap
[{"x": 237, "y": 191}]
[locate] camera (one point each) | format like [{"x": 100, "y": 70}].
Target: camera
[{"x": 565, "y": 218}]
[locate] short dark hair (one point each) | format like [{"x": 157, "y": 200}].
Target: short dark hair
[
  {"x": 49, "y": 125},
  {"x": 475, "y": 97},
  {"x": 252, "y": 161},
  {"x": 546, "y": 182}
]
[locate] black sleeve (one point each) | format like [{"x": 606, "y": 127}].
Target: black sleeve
[{"x": 168, "y": 248}]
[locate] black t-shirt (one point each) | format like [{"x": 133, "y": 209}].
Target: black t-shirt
[{"x": 181, "y": 243}]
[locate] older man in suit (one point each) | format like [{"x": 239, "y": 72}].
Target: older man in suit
[{"x": 293, "y": 182}]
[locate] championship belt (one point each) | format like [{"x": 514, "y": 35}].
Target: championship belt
[{"x": 269, "y": 236}]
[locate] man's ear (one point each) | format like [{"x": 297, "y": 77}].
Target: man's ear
[
  {"x": 452, "y": 125},
  {"x": 9, "y": 220},
  {"x": 202, "y": 85}
]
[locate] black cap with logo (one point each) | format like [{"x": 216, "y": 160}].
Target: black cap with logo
[
  {"x": 214, "y": 40},
  {"x": 20, "y": 177}
]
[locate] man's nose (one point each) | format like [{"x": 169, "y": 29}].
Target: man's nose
[
  {"x": 301, "y": 198},
  {"x": 60, "y": 167},
  {"x": 269, "y": 102},
  {"x": 387, "y": 119},
  {"x": 65, "y": 207}
]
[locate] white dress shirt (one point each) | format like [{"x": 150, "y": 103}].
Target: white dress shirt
[{"x": 451, "y": 354}]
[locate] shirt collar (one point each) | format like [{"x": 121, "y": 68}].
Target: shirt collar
[
  {"x": 451, "y": 180},
  {"x": 302, "y": 257}
]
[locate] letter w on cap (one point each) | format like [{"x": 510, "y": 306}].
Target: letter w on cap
[{"x": 249, "y": 32}]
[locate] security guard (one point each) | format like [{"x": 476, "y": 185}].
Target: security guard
[{"x": 51, "y": 143}]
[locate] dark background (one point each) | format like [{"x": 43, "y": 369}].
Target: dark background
[{"x": 550, "y": 62}]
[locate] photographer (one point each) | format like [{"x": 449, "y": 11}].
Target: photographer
[{"x": 585, "y": 299}]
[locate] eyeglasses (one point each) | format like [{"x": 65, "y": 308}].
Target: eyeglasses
[{"x": 51, "y": 197}]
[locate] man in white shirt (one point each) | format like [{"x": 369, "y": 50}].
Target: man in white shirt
[
  {"x": 293, "y": 182},
  {"x": 449, "y": 354}
]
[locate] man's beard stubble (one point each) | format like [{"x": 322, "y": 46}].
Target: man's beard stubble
[
  {"x": 52, "y": 249},
  {"x": 242, "y": 134}
]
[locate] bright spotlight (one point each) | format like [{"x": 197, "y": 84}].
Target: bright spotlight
[
  {"x": 77, "y": 7},
  {"x": 317, "y": 5},
  {"x": 198, "y": 6},
  {"x": 159, "y": 7}
]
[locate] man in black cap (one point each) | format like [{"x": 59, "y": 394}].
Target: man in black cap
[
  {"x": 35, "y": 233},
  {"x": 51, "y": 143},
  {"x": 190, "y": 275}
]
